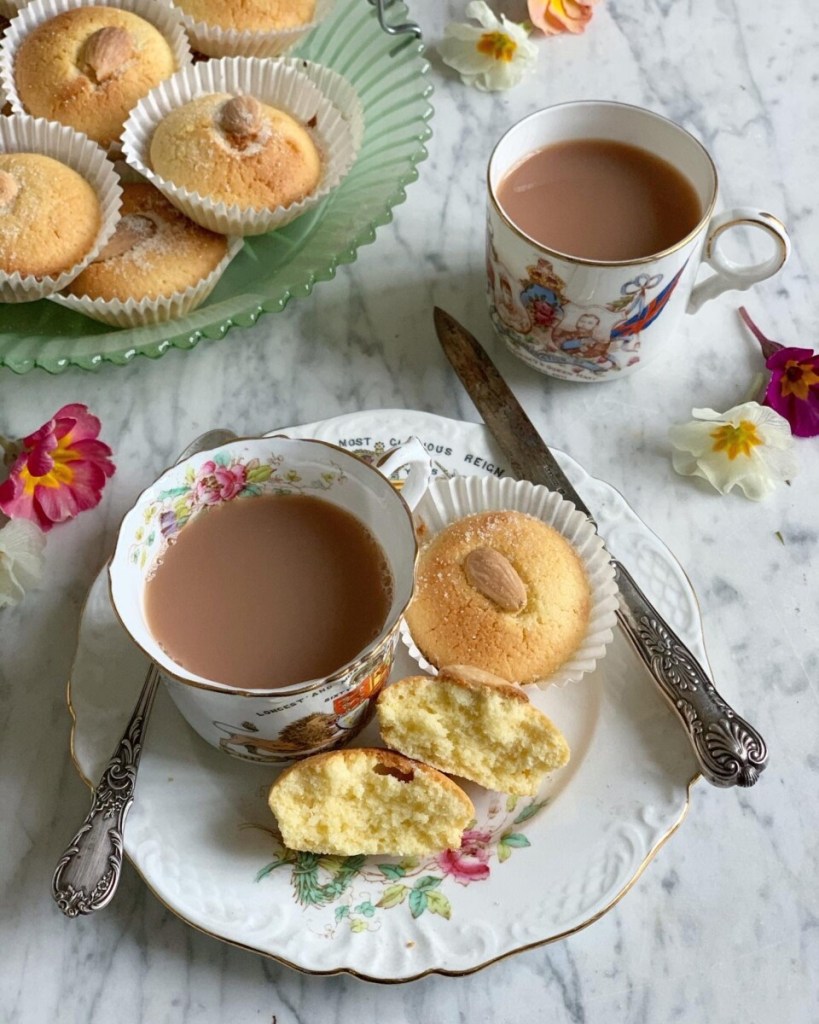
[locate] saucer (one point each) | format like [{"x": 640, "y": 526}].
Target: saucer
[{"x": 530, "y": 871}]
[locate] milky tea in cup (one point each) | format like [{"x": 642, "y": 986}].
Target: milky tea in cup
[
  {"x": 267, "y": 580},
  {"x": 599, "y": 218}
]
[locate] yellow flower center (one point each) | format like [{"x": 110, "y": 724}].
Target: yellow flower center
[
  {"x": 60, "y": 474},
  {"x": 497, "y": 45},
  {"x": 737, "y": 440},
  {"x": 797, "y": 379}
]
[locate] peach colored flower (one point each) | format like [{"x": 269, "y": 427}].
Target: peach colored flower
[
  {"x": 57, "y": 471},
  {"x": 555, "y": 16}
]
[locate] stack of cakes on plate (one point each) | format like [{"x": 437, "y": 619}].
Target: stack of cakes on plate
[{"x": 217, "y": 150}]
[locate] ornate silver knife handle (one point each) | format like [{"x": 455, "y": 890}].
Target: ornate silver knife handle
[
  {"x": 729, "y": 750},
  {"x": 88, "y": 872}
]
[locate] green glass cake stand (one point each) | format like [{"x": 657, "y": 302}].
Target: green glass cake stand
[{"x": 390, "y": 75}]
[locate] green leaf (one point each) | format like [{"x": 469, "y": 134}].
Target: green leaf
[
  {"x": 504, "y": 852},
  {"x": 514, "y": 839},
  {"x": 408, "y": 863},
  {"x": 393, "y": 895},
  {"x": 417, "y": 902},
  {"x": 342, "y": 912},
  {"x": 265, "y": 871},
  {"x": 357, "y": 925},
  {"x": 222, "y": 459},
  {"x": 331, "y": 863},
  {"x": 426, "y": 883},
  {"x": 172, "y": 492},
  {"x": 511, "y": 802},
  {"x": 392, "y": 871},
  {"x": 529, "y": 811},
  {"x": 259, "y": 474},
  {"x": 437, "y": 903}
]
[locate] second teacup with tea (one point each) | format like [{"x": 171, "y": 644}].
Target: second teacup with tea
[
  {"x": 267, "y": 580},
  {"x": 599, "y": 218}
]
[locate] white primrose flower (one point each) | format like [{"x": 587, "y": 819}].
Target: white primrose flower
[
  {"x": 22, "y": 556},
  {"x": 492, "y": 57},
  {"x": 749, "y": 446}
]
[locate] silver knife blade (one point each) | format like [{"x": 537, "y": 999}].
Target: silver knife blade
[
  {"x": 528, "y": 454},
  {"x": 729, "y": 751}
]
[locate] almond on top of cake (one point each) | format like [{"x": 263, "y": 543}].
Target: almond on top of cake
[
  {"x": 87, "y": 67},
  {"x": 236, "y": 150},
  {"x": 155, "y": 251}
]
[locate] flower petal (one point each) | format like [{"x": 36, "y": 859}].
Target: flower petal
[
  {"x": 22, "y": 558},
  {"x": 749, "y": 446}
]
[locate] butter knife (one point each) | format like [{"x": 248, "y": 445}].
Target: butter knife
[
  {"x": 729, "y": 751},
  {"x": 88, "y": 873}
]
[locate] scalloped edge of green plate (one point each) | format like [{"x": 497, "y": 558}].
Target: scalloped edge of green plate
[{"x": 187, "y": 332}]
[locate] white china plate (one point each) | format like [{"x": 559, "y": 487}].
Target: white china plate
[{"x": 201, "y": 836}]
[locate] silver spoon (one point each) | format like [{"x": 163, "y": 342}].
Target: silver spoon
[{"x": 88, "y": 873}]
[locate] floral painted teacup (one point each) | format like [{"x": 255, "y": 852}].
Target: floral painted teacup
[
  {"x": 593, "y": 320},
  {"x": 283, "y": 723}
]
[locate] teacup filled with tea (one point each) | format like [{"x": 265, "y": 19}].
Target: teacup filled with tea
[
  {"x": 599, "y": 218},
  {"x": 267, "y": 579}
]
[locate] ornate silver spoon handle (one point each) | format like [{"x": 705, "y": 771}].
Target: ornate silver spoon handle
[
  {"x": 729, "y": 750},
  {"x": 88, "y": 872}
]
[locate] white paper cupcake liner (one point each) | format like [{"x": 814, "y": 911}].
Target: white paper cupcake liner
[
  {"x": 221, "y": 42},
  {"x": 160, "y": 13},
  {"x": 318, "y": 98},
  {"x": 136, "y": 313},
  {"x": 23, "y": 134},
  {"x": 452, "y": 499}
]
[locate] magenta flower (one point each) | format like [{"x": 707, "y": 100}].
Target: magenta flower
[
  {"x": 57, "y": 471},
  {"x": 793, "y": 388},
  {"x": 215, "y": 483},
  {"x": 469, "y": 863}
]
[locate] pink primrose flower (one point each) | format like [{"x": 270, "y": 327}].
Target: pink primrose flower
[
  {"x": 793, "y": 387},
  {"x": 57, "y": 471}
]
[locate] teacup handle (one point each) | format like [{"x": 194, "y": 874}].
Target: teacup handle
[
  {"x": 737, "y": 276},
  {"x": 413, "y": 454}
]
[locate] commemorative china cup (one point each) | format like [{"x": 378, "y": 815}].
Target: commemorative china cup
[
  {"x": 598, "y": 317},
  {"x": 284, "y": 721}
]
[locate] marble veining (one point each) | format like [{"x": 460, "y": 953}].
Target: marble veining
[{"x": 722, "y": 926}]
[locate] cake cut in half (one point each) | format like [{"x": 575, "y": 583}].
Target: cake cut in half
[
  {"x": 368, "y": 800},
  {"x": 469, "y": 723}
]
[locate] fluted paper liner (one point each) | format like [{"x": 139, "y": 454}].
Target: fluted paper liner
[
  {"x": 214, "y": 41},
  {"x": 160, "y": 13},
  {"x": 136, "y": 312},
  {"x": 318, "y": 98},
  {"x": 23, "y": 134},
  {"x": 449, "y": 500}
]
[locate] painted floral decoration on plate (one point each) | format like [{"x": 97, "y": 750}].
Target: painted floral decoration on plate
[{"x": 360, "y": 888}]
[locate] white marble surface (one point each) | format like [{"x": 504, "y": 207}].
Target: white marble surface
[{"x": 724, "y": 924}]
